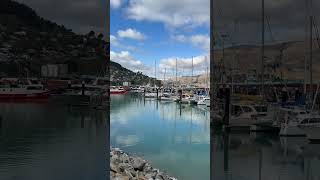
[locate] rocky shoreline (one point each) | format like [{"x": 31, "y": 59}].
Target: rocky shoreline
[{"x": 128, "y": 167}]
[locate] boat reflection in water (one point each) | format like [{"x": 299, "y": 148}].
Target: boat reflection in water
[{"x": 260, "y": 156}]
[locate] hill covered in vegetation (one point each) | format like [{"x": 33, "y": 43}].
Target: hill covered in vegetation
[{"x": 28, "y": 41}]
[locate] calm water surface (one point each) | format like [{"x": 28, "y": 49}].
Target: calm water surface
[
  {"x": 45, "y": 141},
  {"x": 260, "y": 156},
  {"x": 174, "y": 138}
]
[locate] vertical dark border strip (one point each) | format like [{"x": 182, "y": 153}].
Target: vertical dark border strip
[
  {"x": 107, "y": 69},
  {"x": 211, "y": 90}
]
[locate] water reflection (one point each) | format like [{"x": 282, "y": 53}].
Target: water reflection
[
  {"x": 168, "y": 134},
  {"x": 260, "y": 156},
  {"x": 44, "y": 141}
]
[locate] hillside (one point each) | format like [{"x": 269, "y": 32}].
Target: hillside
[
  {"x": 288, "y": 58},
  {"x": 28, "y": 41},
  {"x": 121, "y": 74}
]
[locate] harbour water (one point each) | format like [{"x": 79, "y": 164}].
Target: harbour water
[
  {"x": 47, "y": 141},
  {"x": 173, "y": 138},
  {"x": 260, "y": 156}
]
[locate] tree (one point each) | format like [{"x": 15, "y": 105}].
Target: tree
[
  {"x": 91, "y": 34},
  {"x": 100, "y": 36}
]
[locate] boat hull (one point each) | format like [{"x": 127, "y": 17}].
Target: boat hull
[
  {"x": 24, "y": 96},
  {"x": 312, "y": 133},
  {"x": 118, "y": 92}
]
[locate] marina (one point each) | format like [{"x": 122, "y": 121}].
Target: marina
[{"x": 169, "y": 135}]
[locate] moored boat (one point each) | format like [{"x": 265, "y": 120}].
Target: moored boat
[
  {"x": 117, "y": 90},
  {"x": 17, "y": 92}
]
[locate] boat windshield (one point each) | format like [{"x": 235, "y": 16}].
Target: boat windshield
[
  {"x": 246, "y": 109},
  {"x": 261, "y": 108},
  {"x": 34, "y": 88}
]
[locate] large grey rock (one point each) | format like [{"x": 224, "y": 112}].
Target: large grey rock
[{"x": 138, "y": 163}]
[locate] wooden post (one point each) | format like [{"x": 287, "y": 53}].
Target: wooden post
[
  {"x": 157, "y": 93},
  {"x": 227, "y": 106},
  {"x": 0, "y": 122},
  {"x": 226, "y": 153},
  {"x": 82, "y": 88}
]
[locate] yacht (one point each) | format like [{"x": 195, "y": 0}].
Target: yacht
[
  {"x": 117, "y": 90},
  {"x": 166, "y": 97},
  {"x": 204, "y": 101},
  {"x": 290, "y": 119},
  {"x": 310, "y": 124},
  {"x": 17, "y": 91},
  {"x": 185, "y": 99}
]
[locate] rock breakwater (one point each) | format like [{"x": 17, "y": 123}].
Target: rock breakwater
[{"x": 127, "y": 167}]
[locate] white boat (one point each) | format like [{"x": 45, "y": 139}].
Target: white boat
[
  {"x": 310, "y": 124},
  {"x": 290, "y": 120},
  {"x": 137, "y": 89},
  {"x": 185, "y": 99},
  {"x": 312, "y": 132},
  {"x": 204, "y": 101},
  {"x": 175, "y": 98},
  {"x": 196, "y": 98},
  {"x": 166, "y": 97},
  {"x": 150, "y": 95},
  {"x": 243, "y": 115},
  {"x": 29, "y": 91}
]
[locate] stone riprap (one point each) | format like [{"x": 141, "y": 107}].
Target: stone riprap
[{"x": 127, "y": 167}]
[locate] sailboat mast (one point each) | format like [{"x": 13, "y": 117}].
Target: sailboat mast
[
  {"x": 310, "y": 50},
  {"x": 192, "y": 71},
  {"x": 155, "y": 72},
  {"x": 262, "y": 48},
  {"x": 306, "y": 49},
  {"x": 176, "y": 70}
]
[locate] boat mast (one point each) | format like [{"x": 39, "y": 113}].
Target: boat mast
[
  {"x": 310, "y": 61},
  {"x": 207, "y": 74},
  {"x": 192, "y": 70},
  {"x": 155, "y": 72},
  {"x": 306, "y": 49},
  {"x": 262, "y": 49},
  {"x": 164, "y": 76},
  {"x": 176, "y": 70}
]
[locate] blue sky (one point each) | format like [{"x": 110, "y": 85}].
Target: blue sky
[{"x": 145, "y": 31}]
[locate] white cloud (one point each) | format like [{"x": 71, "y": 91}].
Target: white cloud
[
  {"x": 182, "y": 13},
  {"x": 202, "y": 41},
  {"x": 131, "y": 33},
  {"x": 114, "y": 40},
  {"x": 180, "y": 38},
  {"x": 115, "y": 3},
  {"x": 126, "y": 60},
  {"x": 199, "y": 40}
]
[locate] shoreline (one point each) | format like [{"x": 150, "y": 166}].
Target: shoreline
[{"x": 129, "y": 167}]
